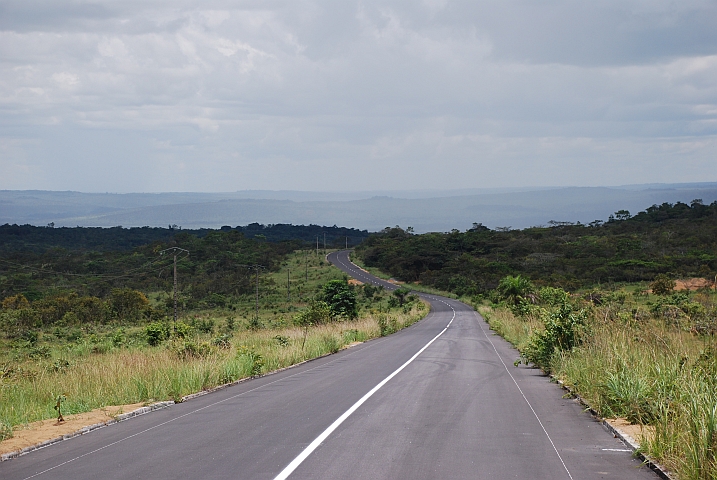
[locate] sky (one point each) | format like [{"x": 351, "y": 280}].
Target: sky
[{"x": 219, "y": 96}]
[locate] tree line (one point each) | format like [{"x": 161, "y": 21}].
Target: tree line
[
  {"x": 30, "y": 238},
  {"x": 678, "y": 240}
]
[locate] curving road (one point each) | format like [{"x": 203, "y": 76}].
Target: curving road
[{"x": 438, "y": 400}]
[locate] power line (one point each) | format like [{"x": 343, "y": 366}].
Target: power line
[{"x": 175, "y": 251}]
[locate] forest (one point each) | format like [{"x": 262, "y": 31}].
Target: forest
[
  {"x": 44, "y": 261},
  {"x": 37, "y": 239},
  {"x": 679, "y": 240}
]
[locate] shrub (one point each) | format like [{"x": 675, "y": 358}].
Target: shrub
[
  {"x": 191, "y": 349},
  {"x": 386, "y": 325},
  {"x": 5, "y": 431},
  {"x": 119, "y": 338},
  {"x": 182, "y": 330},
  {"x": 222, "y": 341},
  {"x": 340, "y": 298},
  {"x": 662, "y": 285},
  {"x": 317, "y": 314},
  {"x": 563, "y": 329},
  {"x": 15, "y": 302},
  {"x": 254, "y": 359},
  {"x": 513, "y": 289},
  {"x": 401, "y": 293},
  {"x": 128, "y": 304},
  {"x": 554, "y": 297},
  {"x": 204, "y": 325},
  {"x": 156, "y": 333}
]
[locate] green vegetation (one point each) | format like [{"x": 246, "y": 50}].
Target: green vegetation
[
  {"x": 14, "y": 238},
  {"x": 647, "y": 358},
  {"x": 96, "y": 328},
  {"x": 676, "y": 240},
  {"x": 596, "y": 306}
]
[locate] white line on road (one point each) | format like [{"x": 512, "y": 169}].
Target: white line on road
[
  {"x": 325, "y": 434},
  {"x": 526, "y": 399}
]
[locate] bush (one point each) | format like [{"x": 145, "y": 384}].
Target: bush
[
  {"x": 340, "y": 298},
  {"x": 563, "y": 329},
  {"x": 513, "y": 289},
  {"x": 182, "y": 330},
  {"x": 5, "y": 431},
  {"x": 204, "y": 325},
  {"x": 318, "y": 313},
  {"x": 15, "y": 302},
  {"x": 386, "y": 325},
  {"x": 254, "y": 359},
  {"x": 156, "y": 333},
  {"x": 662, "y": 285},
  {"x": 191, "y": 349},
  {"x": 554, "y": 297},
  {"x": 128, "y": 304},
  {"x": 222, "y": 341}
]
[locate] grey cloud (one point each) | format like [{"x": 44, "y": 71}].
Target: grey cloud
[{"x": 223, "y": 95}]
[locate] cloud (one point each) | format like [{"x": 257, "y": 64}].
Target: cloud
[{"x": 291, "y": 94}]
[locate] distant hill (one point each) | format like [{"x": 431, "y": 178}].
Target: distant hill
[{"x": 424, "y": 211}]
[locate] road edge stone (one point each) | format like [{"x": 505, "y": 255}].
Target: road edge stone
[
  {"x": 627, "y": 439},
  {"x": 119, "y": 418}
]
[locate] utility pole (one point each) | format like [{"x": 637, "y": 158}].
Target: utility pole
[
  {"x": 347, "y": 243},
  {"x": 307, "y": 266},
  {"x": 288, "y": 285},
  {"x": 317, "y": 245},
  {"x": 324, "y": 243},
  {"x": 175, "y": 289},
  {"x": 256, "y": 292},
  {"x": 175, "y": 251}
]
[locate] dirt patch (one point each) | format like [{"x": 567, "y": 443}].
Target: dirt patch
[
  {"x": 693, "y": 284},
  {"x": 636, "y": 432},
  {"x": 36, "y": 432},
  {"x": 353, "y": 281},
  {"x": 690, "y": 284},
  {"x": 395, "y": 282}
]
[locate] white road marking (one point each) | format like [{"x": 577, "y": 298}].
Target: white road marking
[
  {"x": 526, "y": 400},
  {"x": 325, "y": 434},
  {"x": 182, "y": 416}
]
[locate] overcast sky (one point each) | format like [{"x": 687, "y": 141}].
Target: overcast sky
[{"x": 213, "y": 95}]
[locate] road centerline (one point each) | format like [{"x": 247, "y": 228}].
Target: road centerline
[{"x": 289, "y": 469}]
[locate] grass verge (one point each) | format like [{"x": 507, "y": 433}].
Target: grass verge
[
  {"x": 113, "y": 365},
  {"x": 647, "y": 369}
]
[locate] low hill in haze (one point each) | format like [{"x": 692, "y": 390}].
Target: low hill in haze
[{"x": 424, "y": 211}]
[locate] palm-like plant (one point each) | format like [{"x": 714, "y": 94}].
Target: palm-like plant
[{"x": 513, "y": 289}]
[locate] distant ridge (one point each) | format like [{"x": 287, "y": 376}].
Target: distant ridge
[{"x": 442, "y": 210}]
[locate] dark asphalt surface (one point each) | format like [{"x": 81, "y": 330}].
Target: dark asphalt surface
[{"x": 458, "y": 410}]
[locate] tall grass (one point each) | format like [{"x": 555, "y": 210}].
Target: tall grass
[
  {"x": 167, "y": 372},
  {"x": 645, "y": 370}
]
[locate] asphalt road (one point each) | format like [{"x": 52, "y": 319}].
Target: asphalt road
[{"x": 438, "y": 400}]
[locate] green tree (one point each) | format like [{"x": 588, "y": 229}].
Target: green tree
[
  {"x": 340, "y": 298},
  {"x": 401, "y": 293},
  {"x": 622, "y": 215},
  {"x": 15, "y": 302},
  {"x": 662, "y": 285},
  {"x": 128, "y": 303},
  {"x": 514, "y": 289}
]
